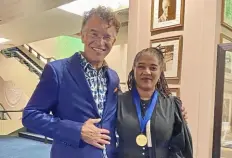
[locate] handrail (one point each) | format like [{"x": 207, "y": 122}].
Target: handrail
[
  {"x": 6, "y": 111},
  {"x": 3, "y": 112},
  {"x": 28, "y": 61},
  {"x": 39, "y": 56}
]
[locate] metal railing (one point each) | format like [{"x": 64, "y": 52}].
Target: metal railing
[
  {"x": 23, "y": 59},
  {"x": 38, "y": 55},
  {"x": 29, "y": 62},
  {"x": 6, "y": 112},
  {"x": 4, "y": 116}
]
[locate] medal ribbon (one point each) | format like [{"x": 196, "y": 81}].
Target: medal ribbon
[{"x": 149, "y": 111}]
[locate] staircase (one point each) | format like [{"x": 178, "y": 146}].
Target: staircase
[
  {"x": 29, "y": 57},
  {"x": 35, "y": 63}
]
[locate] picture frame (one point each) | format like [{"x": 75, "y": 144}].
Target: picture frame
[
  {"x": 175, "y": 92},
  {"x": 228, "y": 57},
  {"x": 225, "y": 39},
  {"x": 226, "y": 108},
  {"x": 219, "y": 98},
  {"x": 163, "y": 19},
  {"x": 172, "y": 55},
  {"x": 226, "y": 15}
]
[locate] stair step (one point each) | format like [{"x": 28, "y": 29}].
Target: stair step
[{"x": 35, "y": 137}]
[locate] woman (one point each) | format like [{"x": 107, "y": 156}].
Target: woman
[{"x": 149, "y": 120}]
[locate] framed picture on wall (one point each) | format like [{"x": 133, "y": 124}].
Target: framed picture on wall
[
  {"x": 227, "y": 14},
  {"x": 175, "y": 92},
  {"x": 227, "y": 104},
  {"x": 167, "y": 14},
  {"x": 228, "y": 58},
  {"x": 225, "y": 39},
  {"x": 172, "y": 50}
]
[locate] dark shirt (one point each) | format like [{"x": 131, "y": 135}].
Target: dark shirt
[
  {"x": 162, "y": 123},
  {"x": 144, "y": 104}
]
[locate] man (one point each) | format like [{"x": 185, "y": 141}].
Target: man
[
  {"x": 78, "y": 91},
  {"x": 81, "y": 93},
  {"x": 168, "y": 11}
]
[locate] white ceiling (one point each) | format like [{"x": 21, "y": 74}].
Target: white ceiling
[
  {"x": 34, "y": 20},
  {"x": 13, "y": 9}
]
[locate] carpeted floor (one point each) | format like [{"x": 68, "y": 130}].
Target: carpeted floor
[{"x": 15, "y": 147}]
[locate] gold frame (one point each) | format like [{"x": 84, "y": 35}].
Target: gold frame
[
  {"x": 228, "y": 76},
  {"x": 225, "y": 37},
  {"x": 223, "y": 23},
  {"x": 171, "y": 27},
  {"x": 180, "y": 39}
]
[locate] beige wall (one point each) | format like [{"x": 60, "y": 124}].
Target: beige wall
[
  {"x": 117, "y": 60},
  {"x": 12, "y": 98},
  {"x": 9, "y": 126},
  {"x": 200, "y": 38},
  {"x": 13, "y": 70},
  {"x": 45, "y": 47},
  {"x": 17, "y": 84}
]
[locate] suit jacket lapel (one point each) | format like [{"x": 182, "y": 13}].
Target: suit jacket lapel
[
  {"x": 111, "y": 93},
  {"x": 78, "y": 75}
]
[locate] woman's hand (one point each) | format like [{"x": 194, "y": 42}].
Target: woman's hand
[{"x": 184, "y": 113}]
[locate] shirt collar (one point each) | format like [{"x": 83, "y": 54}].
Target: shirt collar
[{"x": 85, "y": 63}]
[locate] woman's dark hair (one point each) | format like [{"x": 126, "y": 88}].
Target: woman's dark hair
[{"x": 161, "y": 85}]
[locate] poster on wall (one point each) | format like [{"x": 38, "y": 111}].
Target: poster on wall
[
  {"x": 166, "y": 14},
  {"x": 172, "y": 50},
  {"x": 227, "y": 14},
  {"x": 228, "y": 58}
]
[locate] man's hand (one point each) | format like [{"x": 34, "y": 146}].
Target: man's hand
[
  {"x": 95, "y": 136},
  {"x": 184, "y": 113}
]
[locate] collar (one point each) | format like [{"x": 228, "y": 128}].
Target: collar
[{"x": 85, "y": 63}]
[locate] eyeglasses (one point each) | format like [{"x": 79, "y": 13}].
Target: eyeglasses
[{"x": 98, "y": 36}]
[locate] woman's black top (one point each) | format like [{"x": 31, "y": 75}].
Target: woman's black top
[{"x": 162, "y": 123}]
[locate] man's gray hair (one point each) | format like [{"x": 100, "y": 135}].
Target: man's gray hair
[{"x": 105, "y": 14}]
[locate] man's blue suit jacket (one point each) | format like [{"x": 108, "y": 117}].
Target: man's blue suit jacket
[{"x": 64, "y": 91}]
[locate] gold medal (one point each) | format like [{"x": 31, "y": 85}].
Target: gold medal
[{"x": 141, "y": 140}]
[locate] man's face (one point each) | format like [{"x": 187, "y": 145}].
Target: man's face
[
  {"x": 166, "y": 6},
  {"x": 98, "y": 38}
]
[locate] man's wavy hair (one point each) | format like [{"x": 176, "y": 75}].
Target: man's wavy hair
[{"x": 105, "y": 14}]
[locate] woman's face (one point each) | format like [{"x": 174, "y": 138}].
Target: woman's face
[{"x": 147, "y": 71}]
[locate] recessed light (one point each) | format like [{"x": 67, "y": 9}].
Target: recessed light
[{"x": 3, "y": 40}]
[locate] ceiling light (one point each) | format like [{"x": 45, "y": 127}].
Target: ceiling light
[
  {"x": 3, "y": 40},
  {"x": 80, "y": 6}
]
